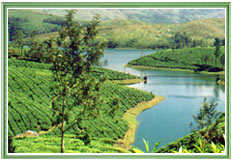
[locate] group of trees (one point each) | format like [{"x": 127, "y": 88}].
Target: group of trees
[
  {"x": 14, "y": 26},
  {"x": 218, "y": 57},
  {"x": 182, "y": 40}
]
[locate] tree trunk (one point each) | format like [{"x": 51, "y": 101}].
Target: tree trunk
[
  {"x": 62, "y": 141},
  {"x": 63, "y": 121}
]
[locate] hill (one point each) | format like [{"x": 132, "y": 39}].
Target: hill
[
  {"x": 197, "y": 59},
  {"x": 131, "y": 34},
  {"x": 143, "y": 35},
  {"x": 29, "y": 20},
  {"x": 126, "y": 32},
  {"x": 29, "y": 103},
  {"x": 165, "y": 16}
]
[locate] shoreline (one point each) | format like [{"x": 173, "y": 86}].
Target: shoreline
[
  {"x": 128, "y": 81},
  {"x": 173, "y": 69},
  {"x": 130, "y": 116}
]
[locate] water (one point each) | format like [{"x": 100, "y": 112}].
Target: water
[{"x": 184, "y": 92}]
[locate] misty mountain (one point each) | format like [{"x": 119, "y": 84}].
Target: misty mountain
[{"x": 168, "y": 16}]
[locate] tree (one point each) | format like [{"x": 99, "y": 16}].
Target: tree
[
  {"x": 178, "y": 40},
  {"x": 186, "y": 40},
  {"x": 223, "y": 42},
  {"x": 37, "y": 51},
  {"x": 207, "y": 114},
  {"x": 19, "y": 42},
  {"x": 222, "y": 60},
  {"x": 15, "y": 24},
  {"x": 217, "y": 49},
  {"x": 76, "y": 92},
  {"x": 181, "y": 40}
]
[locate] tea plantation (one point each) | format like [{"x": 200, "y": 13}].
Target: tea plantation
[
  {"x": 186, "y": 58},
  {"x": 29, "y": 108}
]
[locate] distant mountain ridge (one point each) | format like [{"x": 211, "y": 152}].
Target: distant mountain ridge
[{"x": 168, "y": 16}]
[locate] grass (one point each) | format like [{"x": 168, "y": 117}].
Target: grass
[{"x": 51, "y": 144}]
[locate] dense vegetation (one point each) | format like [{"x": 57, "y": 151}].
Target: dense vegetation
[
  {"x": 199, "y": 59},
  {"x": 29, "y": 107}
]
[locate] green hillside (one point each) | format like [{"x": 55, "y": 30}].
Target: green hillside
[
  {"x": 29, "y": 102},
  {"x": 29, "y": 21},
  {"x": 145, "y": 35},
  {"x": 122, "y": 32},
  {"x": 199, "y": 59},
  {"x": 130, "y": 34}
]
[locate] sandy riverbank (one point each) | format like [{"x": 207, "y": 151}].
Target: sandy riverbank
[{"x": 130, "y": 117}]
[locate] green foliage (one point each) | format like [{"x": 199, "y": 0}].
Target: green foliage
[
  {"x": 181, "y": 41},
  {"x": 18, "y": 40},
  {"x": 207, "y": 114},
  {"x": 15, "y": 24},
  {"x": 197, "y": 59},
  {"x": 208, "y": 140},
  {"x": 137, "y": 150},
  {"x": 201, "y": 148},
  {"x": 217, "y": 50},
  {"x": 146, "y": 145}
]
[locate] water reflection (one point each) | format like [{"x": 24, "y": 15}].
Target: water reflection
[{"x": 184, "y": 92}]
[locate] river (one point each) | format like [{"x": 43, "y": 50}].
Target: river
[{"x": 184, "y": 92}]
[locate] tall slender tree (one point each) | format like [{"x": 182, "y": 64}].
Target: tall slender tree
[
  {"x": 207, "y": 114},
  {"x": 76, "y": 92},
  {"x": 217, "y": 50},
  {"x": 19, "y": 42}
]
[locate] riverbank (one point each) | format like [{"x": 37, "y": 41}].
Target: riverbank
[
  {"x": 172, "y": 69},
  {"x": 130, "y": 117}
]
